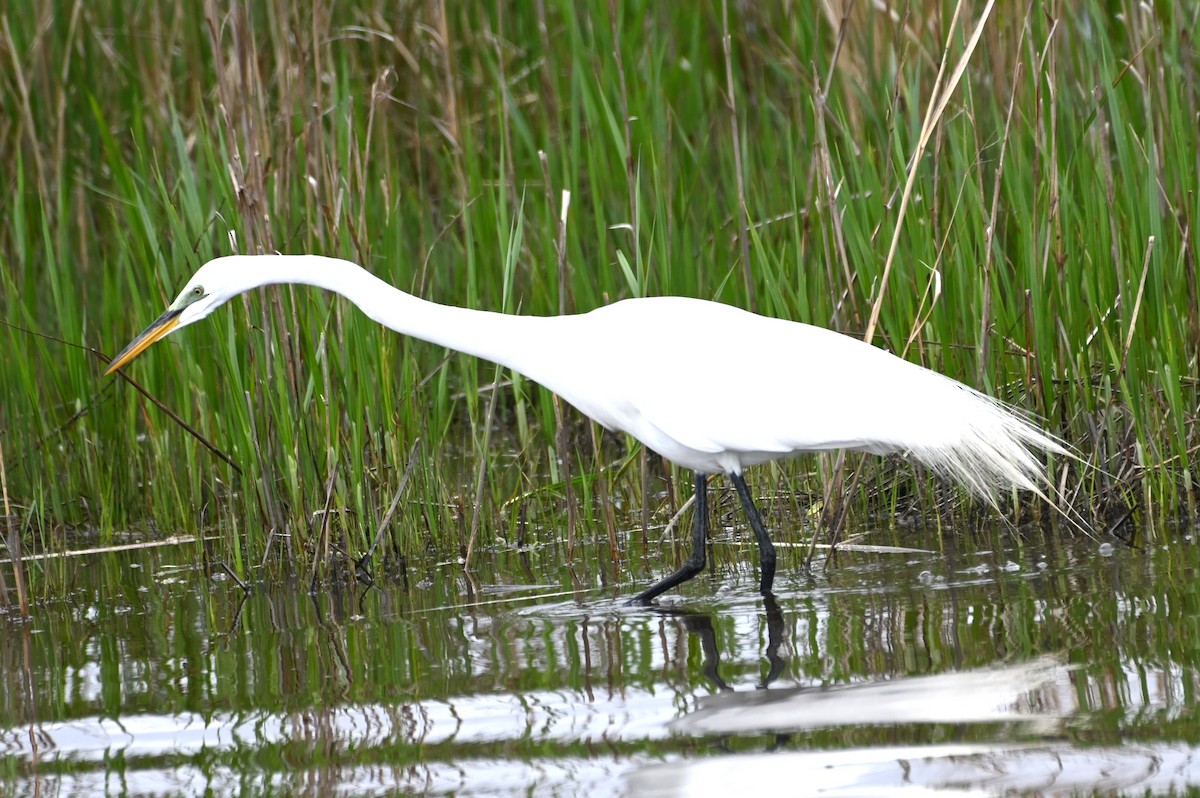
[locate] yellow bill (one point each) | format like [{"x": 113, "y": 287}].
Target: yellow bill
[{"x": 162, "y": 325}]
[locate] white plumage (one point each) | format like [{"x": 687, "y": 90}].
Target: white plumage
[
  {"x": 716, "y": 389},
  {"x": 709, "y": 386}
]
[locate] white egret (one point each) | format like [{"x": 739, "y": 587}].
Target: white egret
[{"x": 735, "y": 389}]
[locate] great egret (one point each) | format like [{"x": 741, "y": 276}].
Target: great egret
[{"x": 708, "y": 386}]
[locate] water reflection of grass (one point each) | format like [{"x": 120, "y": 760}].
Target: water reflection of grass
[
  {"x": 414, "y": 143},
  {"x": 127, "y": 683}
]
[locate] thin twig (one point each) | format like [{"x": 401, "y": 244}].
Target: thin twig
[
  {"x": 174, "y": 540},
  {"x": 481, "y": 474},
  {"x": 743, "y": 213},
  {"x": 606, "y": 509},
  {"x": 387, "y": 517},
  {"x": 229, "y": 572},
  {"x": 14, "y": 544},
  {"x": 560, "y": 240},
  {"x": 823, "y": 154},
  {"x": 323, "y": 535},
  {"x": 170, "y": 413},
  {"x": 839, "y": 521},
  {"x": 937, "y": 105}
]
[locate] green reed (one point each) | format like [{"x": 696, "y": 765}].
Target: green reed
[{"x": 433, "y": 144}]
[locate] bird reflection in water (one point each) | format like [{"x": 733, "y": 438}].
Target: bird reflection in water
[{"x": 701, "y": 625}]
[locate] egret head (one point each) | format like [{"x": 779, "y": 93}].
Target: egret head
[{"x": 213, "y": 284}]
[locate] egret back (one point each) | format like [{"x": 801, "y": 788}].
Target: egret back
[{"x": 716, "y": 388}]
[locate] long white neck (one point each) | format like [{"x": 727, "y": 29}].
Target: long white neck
[{"x": 499, "y": 337}]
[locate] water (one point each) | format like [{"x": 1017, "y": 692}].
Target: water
[{"x": 1047, "y": 667}]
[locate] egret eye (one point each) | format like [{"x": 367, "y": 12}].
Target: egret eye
[{"x": 198, "y": 292}]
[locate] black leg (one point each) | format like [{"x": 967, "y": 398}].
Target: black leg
[
  {"x": 695, "y": 562},
  {"x": 766, "y": 550}
]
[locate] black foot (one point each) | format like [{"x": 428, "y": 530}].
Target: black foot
[
  {"x": 688, "y": 571},
  {"x": 695, "y": 561}
]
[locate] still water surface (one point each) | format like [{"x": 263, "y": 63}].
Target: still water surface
[{"x": 1039, "y": 666}]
